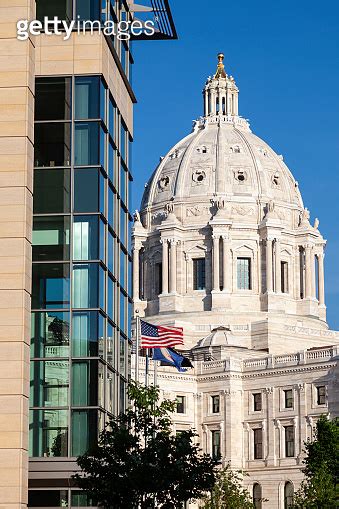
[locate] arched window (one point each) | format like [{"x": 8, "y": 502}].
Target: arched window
[
  {"x": 257, "y": 497},
  {"x": 288, "y": 495}
]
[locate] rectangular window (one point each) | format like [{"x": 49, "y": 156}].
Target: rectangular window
[
  {"x": 87, "y": 333},
  {"x": 50, "y": 286},
  {"x": 60, "y": 8},
  {"x": 52, "y": 144},
  {"x": 81, "y": 499},
  {"x": 85, "y": 377},
  {"x": 199, "y": 274},
  {"x": 215, "y": 404},
  {"x": 257, "y": 442},
  {"x": 49, "y": 383},
  {"x": 52, "y": 95},
  {"x": 89, "y": 190},
  {"x": 84, "y": 430},
  {"x": 216, "y": 449},
  {"x": 89, "y": 147},
  {"x": 244, "y": 273},
  {"x": 284, "y": 277},
  {"x": 50, "y": 334},
  {"x": 289, "y": 441},
  {"x": 50, "y": 238},
  {"x": 180, "y": 404},
  {"x": 86, "y": 238},
  {"x": 48, "y": 430},
  {"x": 48, "y": 498},
  {"x": 88, "y": 286},
  {"x": 158, "y": 278},
  {"x": 321, "y": 395},
  {"x": 88, "y": 10},
  {"x": 52, "y": 191},
  {"x": 257, "y": 402},
  {"x": 123, "y": 141},
  {"x": 288, "y": 395},
  {"x": 87, "y": 95}
]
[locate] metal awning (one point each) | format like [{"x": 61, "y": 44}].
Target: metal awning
[{"x": 159, "y": 12}]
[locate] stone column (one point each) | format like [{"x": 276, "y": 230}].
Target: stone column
[
  {"x": 136, "y": 271},
  {"x": 216, "y": 281},
  {"x": 308, "y": 278},
  {"x": 164, "y": 243},
  {"x": 173, "y": 266},
  {"x": 206, "y": 103},
  {"x": 269, "y": 266},
  {"x": 321, "y": 280},
  {"x": 277, "y": 266},
  {"x": 227, "y": 264}
]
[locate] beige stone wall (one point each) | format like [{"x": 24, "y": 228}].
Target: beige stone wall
[{"x": 16, "y": 172}]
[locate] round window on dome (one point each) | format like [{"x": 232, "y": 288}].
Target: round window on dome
[{"x": 240, "y": 176}]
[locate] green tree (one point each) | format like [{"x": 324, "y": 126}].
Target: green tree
[
  {"x": 320, "y": 488},
  {"x": 138, "y": 462},
  {"x": 228, "y": 492}
]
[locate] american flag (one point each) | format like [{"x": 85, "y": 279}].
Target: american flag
[{"x": 157, "y": 336}]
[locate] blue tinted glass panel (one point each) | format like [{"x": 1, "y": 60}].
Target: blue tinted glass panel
[
  {"x": 87, "y": 144},
  {"x": 87, "y": 191},
  {"x": 85, "y": 285},
  {"x": 87, "y": 98},
  {"x": 85, "y": 238},
  {"x": 111, "y": 117},
  {"x": 85, "y": 334},
  {"x": 110, "y": 253},
  {"x": 50, "y": 286}
]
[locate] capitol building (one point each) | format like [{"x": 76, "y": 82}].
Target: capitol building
[{"x": 224, "y": 247}]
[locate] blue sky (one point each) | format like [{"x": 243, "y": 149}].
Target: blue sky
[{"x": 285, "y": 59}]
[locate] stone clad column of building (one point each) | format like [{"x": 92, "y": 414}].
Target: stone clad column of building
[
  {"x": 16, "y": 189},
  {"x": 246, "y": 283}
]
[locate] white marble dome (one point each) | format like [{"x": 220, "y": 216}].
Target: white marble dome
[{"x": 222, "y": 157}]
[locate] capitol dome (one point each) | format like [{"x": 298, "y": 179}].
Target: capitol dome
[
  {"x": 222, "y": 157},
  {"x": 222, "y": 237}
]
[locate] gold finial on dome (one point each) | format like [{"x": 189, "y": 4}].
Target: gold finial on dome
[{"x": 221, "y": 68}]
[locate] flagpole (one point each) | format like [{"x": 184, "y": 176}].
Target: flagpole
[
  {"x": 155, "y": 372},
  {"x": 137, "y": 344},
  {"x": 146, "y": 369}
]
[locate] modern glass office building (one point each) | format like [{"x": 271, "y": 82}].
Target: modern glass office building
[{"x": 65, "y": 294}]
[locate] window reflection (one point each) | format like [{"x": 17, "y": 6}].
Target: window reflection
[
  {"x": 49, "y": 383},
  {"x": 50, "y": 334},
  {"x": 48, "y": 433}
]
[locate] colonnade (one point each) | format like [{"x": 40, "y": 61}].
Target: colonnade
[{"x": 312, "y": 281}]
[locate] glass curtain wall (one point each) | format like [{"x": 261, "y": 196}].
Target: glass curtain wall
[{"x": 81, "y": 265}]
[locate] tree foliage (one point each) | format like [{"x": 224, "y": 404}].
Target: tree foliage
[
  {"x": 228, "y": 492},
  {"x": 320, "y": 488},
  {"x": 138, "y": 462}
]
